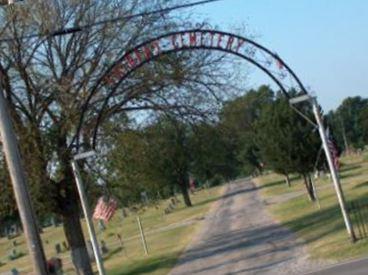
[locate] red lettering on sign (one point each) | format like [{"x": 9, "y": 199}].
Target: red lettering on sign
[
  {"x": 138, "y": 55},
  {"x": 118, "y": 69},
  {"x": 230, "y": 43},
  {"x": 130, "y": 60},
  {"x": 212, "y": 36},
  {"x": 192, "y": 39},
  {"x": 241, "y": 42},
  {"x": 182, "y": 39},
  {"x": 219, "y": 40},
  {"x": 147, "y": 52},
  {"x": 156, "y": 47},
  {"x": 174, "y": 41},
  {"x": 203, "y": 36},
  {"x": 115, "y": 73}
]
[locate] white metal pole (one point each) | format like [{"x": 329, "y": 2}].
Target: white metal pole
[
  {"x": 87, "y": 215},
  {"x": 144, "y": 243},
  {"x": 335, "y": 177},
  {"x": 20, "y": 188}
]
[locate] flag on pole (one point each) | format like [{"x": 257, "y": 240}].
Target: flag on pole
[{"x": 105, "y": 209}]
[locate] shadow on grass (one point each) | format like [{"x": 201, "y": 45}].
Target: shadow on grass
[
  {"x": 320, "y": 223},
  {"x": 113, "y": 253},
  {"x": 361, "y": 185},
  {"x": 348, "y": 167},
  {"x": 146, "y": 266},
  {"x": 350, "y": 175}
]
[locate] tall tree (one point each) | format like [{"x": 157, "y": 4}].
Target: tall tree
[
  {"x": 287, "y": 142},
  {"x": 364, "y": 123},
  {"x": 238, "y": 117},
  {"x": 347, "y": 123},
  {"x": 156, "y": 158},
  {"x": 213, "y": 152}
]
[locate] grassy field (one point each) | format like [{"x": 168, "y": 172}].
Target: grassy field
[
  {"x": 167, "y": 236},
  {"x": 322, "y": 228}
]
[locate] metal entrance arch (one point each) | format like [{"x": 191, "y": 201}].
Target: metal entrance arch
[
  {"x": 261, "y": 57},
  {"x": 196, "y": 39}
]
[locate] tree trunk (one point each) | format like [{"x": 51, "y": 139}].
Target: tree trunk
[
  {"x": 74, "y": 235},
  {"x": 185, "y": 193},
  {"x": 70, "y": 211},
  {"x": 309, "y": 187},
  {"x": 287, "y": 179}
]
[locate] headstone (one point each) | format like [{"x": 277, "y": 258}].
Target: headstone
[
  {"x": 124, "y": 213},
  {"x": 104, "y": 249},
  {"x": 144, "y": 197},
  {"x": 58, "y": 248},
  {"x": 14, "y": 254}
]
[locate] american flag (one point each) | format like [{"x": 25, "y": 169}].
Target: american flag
[
  {"x": 333, "y": 149},
  {"x": 105, "y": 209}
]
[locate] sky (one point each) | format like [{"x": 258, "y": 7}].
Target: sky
[{"x": 324, "y": 41}]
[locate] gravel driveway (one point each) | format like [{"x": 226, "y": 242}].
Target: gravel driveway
[{"x": 240, "y": 237}]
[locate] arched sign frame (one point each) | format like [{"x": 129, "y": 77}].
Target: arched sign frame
[{"x": 196, "y": 39}]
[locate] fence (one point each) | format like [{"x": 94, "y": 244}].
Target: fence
[{"x": 358, "y": 211}]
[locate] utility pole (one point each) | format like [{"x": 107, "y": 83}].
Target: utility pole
[
  {"x": 87, "y": 211},
  {"x": 20, "y": 188},
  {"x": 333, "y": 171}
]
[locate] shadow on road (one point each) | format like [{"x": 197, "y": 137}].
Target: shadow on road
[{"x": 256, "y": 240}]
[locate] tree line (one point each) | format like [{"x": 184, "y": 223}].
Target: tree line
[{"x": 250, "y": 133}]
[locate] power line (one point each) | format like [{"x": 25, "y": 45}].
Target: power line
[{"x": 113, "y": 20}]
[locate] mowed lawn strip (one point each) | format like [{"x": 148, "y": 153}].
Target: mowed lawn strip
[
  {"x": 166, "y": 235},
  {"x": 322, "y": 229}
]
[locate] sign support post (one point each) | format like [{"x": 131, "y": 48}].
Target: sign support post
[
  {"x": 331, "y": 165},
  {"x": 333, "y": 171},
  {"x": 87, "y": 215}
]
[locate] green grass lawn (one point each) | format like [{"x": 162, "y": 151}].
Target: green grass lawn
[
  {"x": 322, "y": 229},
  {"x": 164, "y": 243}
]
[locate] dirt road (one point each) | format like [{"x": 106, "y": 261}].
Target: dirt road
[{"x": 240, "y": 237}]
